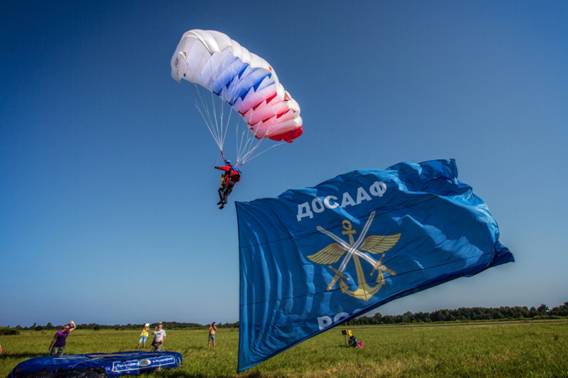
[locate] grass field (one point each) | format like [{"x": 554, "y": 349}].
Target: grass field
[{"x": 499, "y": 349}]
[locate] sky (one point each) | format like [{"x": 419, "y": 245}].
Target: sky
[{"x": 107, "y": 191}]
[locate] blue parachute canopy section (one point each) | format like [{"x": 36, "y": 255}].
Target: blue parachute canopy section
[
  {"x": 314, "y": 258},
  {"x": 110, "y": 364}
]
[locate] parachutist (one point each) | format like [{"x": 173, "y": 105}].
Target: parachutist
[{"x": 230, "y": 176}]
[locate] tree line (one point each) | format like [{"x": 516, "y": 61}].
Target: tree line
[
  {"x": 466, "y": 314},
  {"x": 129, "y": 326},
  {"x": 460, "y": 314}
]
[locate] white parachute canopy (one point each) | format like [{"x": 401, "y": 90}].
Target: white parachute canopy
[{"x": 238, "y": 80}]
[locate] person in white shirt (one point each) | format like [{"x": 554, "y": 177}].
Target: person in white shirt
[{"x": 159, "y": 338}]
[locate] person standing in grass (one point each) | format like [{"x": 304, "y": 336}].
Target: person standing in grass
[
  {"x": 159, "y": 338},
  {"x": 212, "y": 336},
  {"x": 59, "y": 339},
  {"x": 144, "y": 336}
]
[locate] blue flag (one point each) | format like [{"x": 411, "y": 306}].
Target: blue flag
[{"x": 316, "y": 257}]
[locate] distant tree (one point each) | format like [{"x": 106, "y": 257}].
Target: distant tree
[
  {"x": 542, "y": 309},
  {"x": 561, "y": 310},
  {"x": 463, "y": 314}
]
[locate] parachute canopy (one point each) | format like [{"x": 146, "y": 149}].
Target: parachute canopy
[{"x": 242, "y": 79}]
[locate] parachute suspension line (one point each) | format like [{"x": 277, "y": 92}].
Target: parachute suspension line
[
  {"x": 209, "y": 127},
  {"x": 260, "y": 153},
  {"x": 214, "y": 111},
  {"x": 226, "y": 126},
  {"x": 249, "y": 147},
  {"x": 239, "y": 142},
  {"x": 246, "y": 143},
  {"x": 221, "y": 122},
  {"x": 218, "y": 120},
  {"x": 203, "y": 110}
]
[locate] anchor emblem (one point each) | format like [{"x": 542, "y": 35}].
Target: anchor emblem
[{"x": 353, "y": 249}]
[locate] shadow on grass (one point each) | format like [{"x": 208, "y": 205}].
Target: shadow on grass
[
  {"x": 193, "y": 347},
  {"x": 20, "y": 355},
  {"x": 181, "y": 374}
]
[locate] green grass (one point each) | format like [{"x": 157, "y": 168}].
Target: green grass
[{"x": 499, "y": 349}]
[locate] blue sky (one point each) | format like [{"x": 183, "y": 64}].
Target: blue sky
[{"x": 107, "y": 192}]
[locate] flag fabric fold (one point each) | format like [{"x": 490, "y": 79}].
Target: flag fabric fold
[{"x": 313, "y": 258}]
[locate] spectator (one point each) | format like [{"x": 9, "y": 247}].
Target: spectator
[
  {"x": 356, "y": 343},
  {"x": 212, "y": 336},
  {"x": 347, "y": 333},
  {"x": 144, "y": 336},
  {"x": 159, "y": 338},
  {"x": 59, "y": 339}
]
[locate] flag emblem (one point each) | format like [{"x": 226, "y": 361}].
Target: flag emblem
[{"x": 362, "y": 248}]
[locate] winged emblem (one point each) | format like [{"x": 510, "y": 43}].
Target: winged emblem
[
  {"x": 356, "y": 249},
  {"x": 376, "y": 244}
]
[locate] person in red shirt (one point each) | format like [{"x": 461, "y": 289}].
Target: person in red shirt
[{"x": 230, "y": 176}]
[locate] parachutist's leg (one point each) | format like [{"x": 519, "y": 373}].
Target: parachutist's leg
[
  {"x": 226, "y": 193},
  {"x": 221, "y": 195}
]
